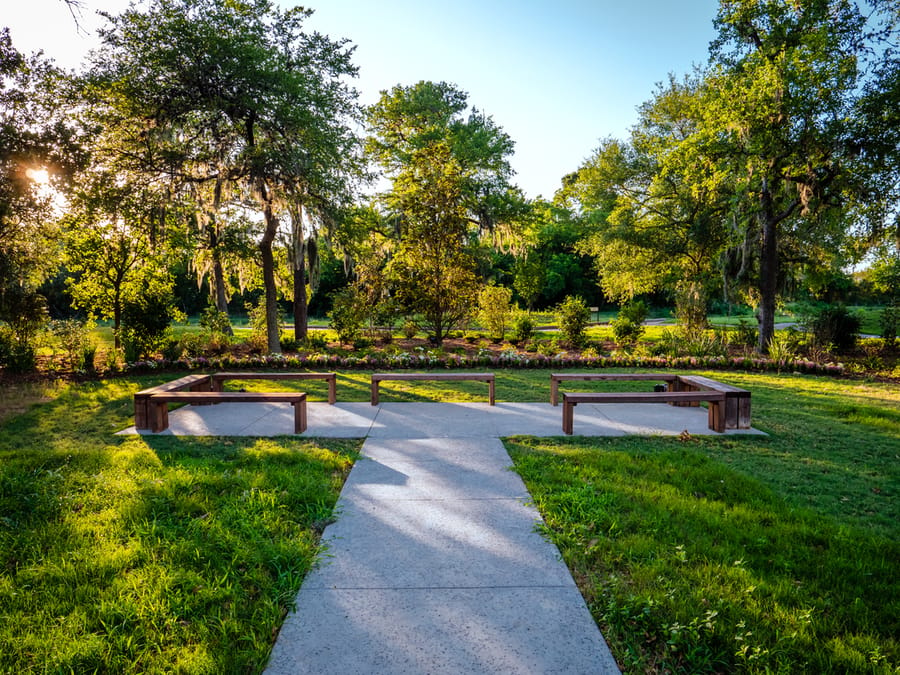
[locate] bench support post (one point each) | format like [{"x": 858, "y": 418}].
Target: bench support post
[{"x": 568, "y": 417}]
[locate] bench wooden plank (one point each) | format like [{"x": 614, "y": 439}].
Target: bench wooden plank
[
  {"x": 195, "y": 382},
  {"x": 716, "y": 400},
  {"x": 377, "y": 378},
  {"x": 159, "y": 403},
  {"x": 556, "y": 378},
  {"x": 218, "y": 379},
  {"x": 737, "y": 400}
]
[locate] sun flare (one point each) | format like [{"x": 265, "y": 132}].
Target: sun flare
[{"x": 39, "y": 176}]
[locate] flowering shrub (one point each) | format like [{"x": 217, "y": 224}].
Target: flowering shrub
[{"x": 436, "y": 359}]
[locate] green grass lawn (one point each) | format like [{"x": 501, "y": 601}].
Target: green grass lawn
[
  {"x": 776, "y": 554},
  {"x": 128, "y": 554},
  {"x": 757, "y": 554}
]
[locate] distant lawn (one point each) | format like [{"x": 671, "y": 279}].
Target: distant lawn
[
  {"x": 778, "y": 554},
  {"x": 127, "y": 554}
]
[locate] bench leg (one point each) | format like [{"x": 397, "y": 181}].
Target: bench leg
[
  {"x": 717, "y": 416},
  {"x": 375, "y": 392},
  {"x": 141, "y": 413},
  {"x": 568, "y": 417},
  {"x": 159, "y": 416},
  {"x": 554, "y": 392},
  {"x": 207, "y": 385},
  {"x": 299, "y": 416},
  {"x": 491, "y": 390},
  {"x": 332, "y": 390}
]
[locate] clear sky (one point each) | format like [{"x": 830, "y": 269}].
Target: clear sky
[{"x": 556, "y": 75}]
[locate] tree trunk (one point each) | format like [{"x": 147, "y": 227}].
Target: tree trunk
[
  {"x": 268, "y": 265},
  {"x": 117, "y": 323},
  {"x": 221, "y": 301},
  {"x": 768, "y": 270},
  {"x": 301, "y": 322}
]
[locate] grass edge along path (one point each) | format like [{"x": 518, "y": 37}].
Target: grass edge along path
[{"x": 151, "y": 554}]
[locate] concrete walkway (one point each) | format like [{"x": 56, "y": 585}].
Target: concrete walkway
[
  {"x": 434, "y": 566},
  {"x": 434, "y": 563}
]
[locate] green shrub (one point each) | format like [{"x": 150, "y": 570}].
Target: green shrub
[
  {"x": 73, "y": 336},
  {"x": 410, "y": 329},
  {"x": 16, "y": 356},
  {"x": 573, "y": 316},
  {"x": 316, "y": 339},
  {"x": 145, "y": 322},
  {"x": 628, "y": 326},
  {"x": 834, "y": 325},
  {"x": 347, "y": 315},
  {"x": 523, "y": 326},
  {"x": 494, "y": 310},
  {"x": 288, "y": 343},
  {"x": 214, "y": 321},
  {"x": 889, "y": 321}
]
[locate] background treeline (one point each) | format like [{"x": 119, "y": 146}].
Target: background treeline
[{"x": 213, "y": 159}]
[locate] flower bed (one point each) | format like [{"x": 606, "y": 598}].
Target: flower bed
[{"x": 506, "y": 359}]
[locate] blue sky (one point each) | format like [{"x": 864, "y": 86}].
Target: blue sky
[{"x": 557, "y": 76}]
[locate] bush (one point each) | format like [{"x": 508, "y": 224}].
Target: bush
[
  {"x": 889, "y": 322},
  {"x": 628, "y": 326},
  {"x": 214, "y": 321},
  {"x": 16, "y": 356},
  {"x": 410, "y": 329},
  {"x": 494, "y": 310},
  {"x": 315, "y": 339},
  {"x": 73, "y": 337},
  {"x": 573, "y": 316},
  {"x": 347, "y": 315},
  {"x": 288, "y": 343},
  {"x": 834, "y": 325},
  {"x": 145, "y": 322},
  {"x": 523, "y": 326}
]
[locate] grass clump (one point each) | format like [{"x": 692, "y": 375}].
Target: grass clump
[{"x": 131, "y": 554}]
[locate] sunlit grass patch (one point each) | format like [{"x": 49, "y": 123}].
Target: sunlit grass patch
[
  {"x": 151, "y": 554},
  {"x": 689, "y": 565}
]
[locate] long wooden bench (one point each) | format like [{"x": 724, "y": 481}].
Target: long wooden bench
[
  {"x": 142, "y": 398},
  {"x": 716, "y": 400},
  {"x": 556, "y": 378},
  {"x": 378, "y": 378},
  {"x": 159, "y": 404},
  {"x": 737, "y": 400},
  {"x": 218, "y": 379}
]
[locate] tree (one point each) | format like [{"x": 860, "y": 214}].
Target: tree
[
  {"x": 782, "y": 83},
  {"x": 450, "y": 174},
  {"x": 495, "y": 310},
  {"x": 656, "y": 206},
  {"x": 259, "y": 103},
  {"x": 38, "y": 149},
  {"x": 109, "y": 252}
]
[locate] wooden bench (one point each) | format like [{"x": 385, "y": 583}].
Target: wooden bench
[
  {"x": 159, "y": 404},
  {"x": 737, "y": 400},
  {"x": 377, "y": 378},
  {"x": 716, "y": 400},
  {"x": 142, "y": 398},
  {"x": 556, "y": 378},
  {"x": 218, "y": 379}
]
